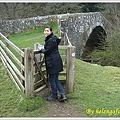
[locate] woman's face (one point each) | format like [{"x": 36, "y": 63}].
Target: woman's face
[{"x": 47, "y": 32}]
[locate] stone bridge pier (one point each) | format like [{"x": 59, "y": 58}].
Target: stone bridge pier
[{"x": 84, "y": 30}]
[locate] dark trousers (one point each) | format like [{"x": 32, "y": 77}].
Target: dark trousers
[{"x": 55, "y": 85}]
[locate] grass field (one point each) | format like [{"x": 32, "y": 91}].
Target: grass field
[{"x": 96, "y": 89}]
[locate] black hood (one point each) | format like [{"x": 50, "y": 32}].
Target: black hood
[{"x": 58, "y": 41}]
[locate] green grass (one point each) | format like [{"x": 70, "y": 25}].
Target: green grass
[
  {"x": 95, "y": 87},
  {"x": 29, "y": 37},
  {"x": 13, "y": 103}
]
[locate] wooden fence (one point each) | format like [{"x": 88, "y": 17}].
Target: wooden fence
[{"x": 26, "y": 66}]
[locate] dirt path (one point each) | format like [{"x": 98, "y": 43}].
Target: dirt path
[{"x": 58, "y": 109}]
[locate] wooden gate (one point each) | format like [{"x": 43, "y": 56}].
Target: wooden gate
[{"x": 27, "y": 70}]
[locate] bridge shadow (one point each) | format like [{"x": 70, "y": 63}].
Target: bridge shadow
[{"x": 96, "y": 40}]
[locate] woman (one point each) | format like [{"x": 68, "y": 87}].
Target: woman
[{"x": 53, "y": 64}]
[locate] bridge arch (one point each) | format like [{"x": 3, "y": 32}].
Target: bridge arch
[
  {"x": 96, "y": 39},
  {"x": 97, "y": 24}
]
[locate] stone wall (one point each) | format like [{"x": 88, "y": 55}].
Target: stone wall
[{"x": 16, "y": 26}]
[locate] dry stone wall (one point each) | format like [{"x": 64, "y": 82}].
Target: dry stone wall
[{"x": 16, "y": 26}]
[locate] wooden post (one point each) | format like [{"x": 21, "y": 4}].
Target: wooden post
[
  {"x": 70, "y": 69},
  {"x": 38, "y": 57},
  {"x": 36, "y": 48},
  {"x": 29, "y": 82}
]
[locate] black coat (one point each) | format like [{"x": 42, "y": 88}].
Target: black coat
[{"x": 53, "y": 60}]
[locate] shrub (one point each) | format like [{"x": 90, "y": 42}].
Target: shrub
[{"x": 111, "y": 55}]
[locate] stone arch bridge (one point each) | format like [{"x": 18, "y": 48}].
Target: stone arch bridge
[{"x": 84, "y": 30}]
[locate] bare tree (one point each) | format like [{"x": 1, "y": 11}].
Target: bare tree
[
  {"x": 112, "y": 12},
  {"x": 11, "y": 10}
]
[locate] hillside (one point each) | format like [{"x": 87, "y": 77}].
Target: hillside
[{"x": 96, "y": 94}]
